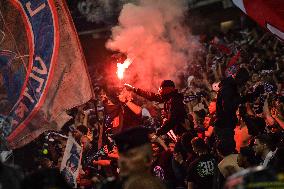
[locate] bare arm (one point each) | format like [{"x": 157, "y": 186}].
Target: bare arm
[
  {"x": 249, "y": 109},
  {"x": 126, "y": 98},
  {"x": 190, "y": 185},
  {"x": 149, "y": 95},
  {"x": 267, "y": 114},
  {"x": 206, "y": 82},
  {"x": 279, "y": 121},
  {"x": 278, "y": 118},
  {"x": 134, "y": 108},
  {"x": 155, "y": 138}
]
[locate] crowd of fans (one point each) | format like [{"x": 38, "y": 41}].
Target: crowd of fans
[{"x": 197, "y": 157}]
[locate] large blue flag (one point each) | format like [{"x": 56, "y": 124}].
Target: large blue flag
[{"x": 42, "y": 68}]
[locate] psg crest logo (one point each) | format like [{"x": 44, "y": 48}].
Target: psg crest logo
[{"x": 28, "y": 50}]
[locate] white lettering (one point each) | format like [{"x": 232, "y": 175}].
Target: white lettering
[
  {"x": 26, "y": 94},
  {"x": 38, "y": 79},
  {"x": 43, "y": 66},
  {"x": 35, "y": 11},
  {"x": 21, "y": 110}
]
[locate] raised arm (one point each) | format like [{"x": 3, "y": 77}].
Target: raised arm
[{"x": 148, "y": 95}]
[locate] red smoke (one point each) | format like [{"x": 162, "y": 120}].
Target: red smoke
[{"x": 152, "y": 34}]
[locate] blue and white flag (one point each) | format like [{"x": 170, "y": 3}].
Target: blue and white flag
[{"x": 71, "y": 161}]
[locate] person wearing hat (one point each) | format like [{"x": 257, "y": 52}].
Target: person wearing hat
[
  {"x": 134, "y": 162},
  {"x": 174, "y": 109}
]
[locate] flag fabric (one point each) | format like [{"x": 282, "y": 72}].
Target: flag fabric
[
  {"x": 221, "y": 46},
  {"x": 234, "y": 59},
  {"x": 267, "y": 13},
  {"x": 42, "y": 68},
  {"x": 71, "y": 161}
]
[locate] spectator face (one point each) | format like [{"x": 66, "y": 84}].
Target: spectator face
[
  {"x": 165, "y": 90},
  {"x": 115, "y": 150},
  {"x": 133, "y": 161},
  {"x": 171, "y": 147},
  {"x": 156, "y": 149},
  {"x": 102, "y": 96},
  {"x": 81, "y": 116},
  {"x": 212, "y": 107},
  {"x": 77, "y": 134},
  {"x": 194, "y": 149},
  {"x": 161, "y": 91},
  {"x": 258, "y": 147},
  {"x": 100, "y": 115},
  {"x": 254, "y": 78},
  {"x": 85, "y": 142},
  {"x": 125, "y": 95}
]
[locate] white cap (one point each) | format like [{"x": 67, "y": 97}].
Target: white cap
[
  {"x": 215, "y": 86},
  {"x": 189, "y": 79}
]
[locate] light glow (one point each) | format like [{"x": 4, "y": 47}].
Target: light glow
[{"x": 121, "y": 68}]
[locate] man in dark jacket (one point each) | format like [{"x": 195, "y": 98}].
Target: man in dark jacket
[
  {"x": 200, "y": 173},
  {"x": 135, "y": 158},
  {"x": 228, "y": 100},
  {"x": 174, "y": 110}
]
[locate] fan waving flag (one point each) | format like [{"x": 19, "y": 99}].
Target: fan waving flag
[
  {"x": 267, "y": 13},
  {"x": 42, "y": 68}
]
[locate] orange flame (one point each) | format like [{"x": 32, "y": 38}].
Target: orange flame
[{"x": 121, "y": 68}]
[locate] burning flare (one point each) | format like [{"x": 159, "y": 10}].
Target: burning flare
[{"x": 121, "y": 68}]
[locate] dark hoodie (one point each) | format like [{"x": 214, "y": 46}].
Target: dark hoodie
[
  {"x": 228, "y": 100},
  {"x": 174, "y": 110}
]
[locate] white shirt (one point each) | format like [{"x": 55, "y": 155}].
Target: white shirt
[
  {"x": 268, "y": 157},
  {"x": 145, "y": 113}
]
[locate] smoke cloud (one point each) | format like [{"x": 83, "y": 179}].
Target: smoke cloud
[
  {"x": 153, "y": 34},
  {"x": 101, "y": 11}
]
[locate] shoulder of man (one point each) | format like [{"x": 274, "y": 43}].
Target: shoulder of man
[
  {"x": 256, "y": 177},
  {"x": 176, "y": 98},
  {"x": 142, "y": 182},
  {"x": 227, "y": 82},
  {"x": 111, "y": 184}
]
